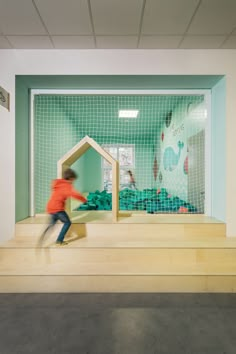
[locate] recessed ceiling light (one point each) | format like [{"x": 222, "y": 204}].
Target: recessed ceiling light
[{"x": 129, "y": 113}]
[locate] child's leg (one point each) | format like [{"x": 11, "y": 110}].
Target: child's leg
[
  {"x": 52, "y": 222},
  {"x": 64, "y": 218}
]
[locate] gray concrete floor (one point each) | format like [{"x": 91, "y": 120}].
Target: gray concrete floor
[{"x": 118, "y": 323}]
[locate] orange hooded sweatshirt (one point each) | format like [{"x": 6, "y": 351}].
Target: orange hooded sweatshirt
[{"x": 61, "y": 191}]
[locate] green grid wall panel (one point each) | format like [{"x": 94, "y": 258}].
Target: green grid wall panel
[
  {"x": 55, "y": 134},
  {"x": 61, "y": 121}
]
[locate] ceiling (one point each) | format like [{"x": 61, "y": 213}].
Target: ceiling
[
  {"x": 97, "y": 115},
  {"x": 117, "y": 24}
]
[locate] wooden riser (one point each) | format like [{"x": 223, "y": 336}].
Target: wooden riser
[
  {"x": 117, "y": 261},
  {"x": 138, "y": 230},
  {"x": 144, "y": 284},
  {"x": 121, "y": 257},
  {"x": 122, "y": 241}
]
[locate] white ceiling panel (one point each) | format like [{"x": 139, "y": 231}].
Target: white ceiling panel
[
  {"x": 112, "y": 17},
  {"x": 4, "y": 43},
  {"x": 68, "y": 17},
  {"x": 30, "y": 42},
  {"x": 159, "y": 42},
  {"x": 20, "y": 17},
  {"x": 202, "y": 42},
  {"x": 118, "y": 24},
  {"x": 167, "y": 16},
  {"x": 117, "y": 42},
  {"x": 214, "y": 17},
  {"x": 73, "y": 42},
  {"x": 230, "y": 43}
]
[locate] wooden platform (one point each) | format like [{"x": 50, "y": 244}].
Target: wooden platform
[
  {"x": 184, "y": 255},
  {"x": 134, "y": 217},
  {"x": 99, "y": 224}
]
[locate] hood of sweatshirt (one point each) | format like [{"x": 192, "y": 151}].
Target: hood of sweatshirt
[{"x": 58, "y": 183}]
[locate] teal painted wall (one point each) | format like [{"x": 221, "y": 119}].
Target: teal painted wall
[
  {"x": 138, "y": 82},
  {"x": 218, "y": 133},
  {"x": 78, "y": 166},
  {"x": 92, "y": 171},
  {"x": 144, "y": 158},
  {"x": 53, "y": 138},
  {"x": 61, "y": 121},
  {"x": 23, "y": 83},
  {"x": 22, "y": 152},
  {"x": 88, "y": 167}
]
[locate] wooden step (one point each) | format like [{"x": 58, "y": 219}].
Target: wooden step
[
  {"x": 133, "y": 255},
  {"x": 121, "y": 229},
  {"x": 144, "y": 284},
  {"x": 117, "y": 261},
  {"x": 124, "y": 241}
]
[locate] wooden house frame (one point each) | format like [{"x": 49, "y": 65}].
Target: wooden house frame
[{"x": 77, "y": 151}]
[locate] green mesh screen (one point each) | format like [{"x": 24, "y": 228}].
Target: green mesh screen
[{"x": 163, "y": 148}]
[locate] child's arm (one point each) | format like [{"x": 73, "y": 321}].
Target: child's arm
[{"x": 76, "y": 195}]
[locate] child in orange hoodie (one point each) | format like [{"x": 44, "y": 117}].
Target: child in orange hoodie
[{"x": 62, "y": 189}]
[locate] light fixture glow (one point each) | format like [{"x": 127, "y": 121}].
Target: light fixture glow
[{"x": 131, "y": 113}]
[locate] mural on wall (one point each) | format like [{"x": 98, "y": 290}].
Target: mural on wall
[
  {"x": 179, "y": 124},
  {"x": 171, "y": 158}
]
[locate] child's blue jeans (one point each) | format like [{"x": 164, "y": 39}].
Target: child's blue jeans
[{"x": 64, "y": 218}]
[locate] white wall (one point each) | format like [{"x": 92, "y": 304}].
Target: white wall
[
  {"x": 108, "y": 62},
  {"x": 218, "y": 151},
  {"x": 7, "y": 149}
]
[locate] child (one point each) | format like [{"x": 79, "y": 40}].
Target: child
[
  {"x": 132, "y": 180},
  {"x": 62, "y": 189}
]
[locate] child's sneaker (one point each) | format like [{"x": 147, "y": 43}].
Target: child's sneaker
[{"x": 62, "y": 243}]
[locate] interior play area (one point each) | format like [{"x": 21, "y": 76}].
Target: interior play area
[
  {"x": 149, "y": 154},
  {"x": 157, "y": 139},
  {"x": 162, "y": 141}
]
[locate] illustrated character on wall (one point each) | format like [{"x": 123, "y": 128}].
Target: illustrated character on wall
[{"x": 171, "y": 158}]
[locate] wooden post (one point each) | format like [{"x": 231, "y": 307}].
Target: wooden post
[{"x": 115, "y": 191}]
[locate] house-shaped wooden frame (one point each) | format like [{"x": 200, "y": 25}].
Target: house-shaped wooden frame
[{"x": 77, "y": 151}]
